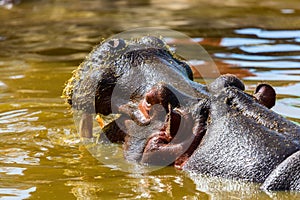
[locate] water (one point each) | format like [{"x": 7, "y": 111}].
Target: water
[{"x": 41, "y": 42}]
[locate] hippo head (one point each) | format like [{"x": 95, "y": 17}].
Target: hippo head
[
  {"x": 163, "y": 117},
  {"x": 116, "y": 75}
]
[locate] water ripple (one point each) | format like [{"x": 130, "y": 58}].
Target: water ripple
[
  {"x": 16, "y": 121},
  {"x": 255, "y": 57},
  {"x": 272, "y": 76},
  {"x": 230, "y": 42},
  {"x": 288, "y": 107},
  {"x": 39, "y": 144},
  {"x": 272, "y": 34},
  {"x": 16, "y": 194},
  {"x": 17, "y": 156},
  {"x": 289, "y": 89},
  {"x": 276, "y": 59},
  {"x": 264, "y": 64},
  {"x": 12, "y": 170},
  {"x": 271, "y": 48}
]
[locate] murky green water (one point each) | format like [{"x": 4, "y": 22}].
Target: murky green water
[{"x": 41, "y": 42}]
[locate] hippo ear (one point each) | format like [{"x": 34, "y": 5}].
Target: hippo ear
[
  {"x": 265, "y": 94},
  {"x": 286, "y": 175}
]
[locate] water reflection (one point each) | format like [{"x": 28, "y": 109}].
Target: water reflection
[
  {"x": 288, "y": 107},
  {"x": 223, "y": 189},
  {"x": 13, "y": 193},
  {"x": 252, "y": 57},
  {"x": 270, "y": 34},
  {"x": 271, "y": 48},
  {"x": 12, "y": 170},
  {"x": 17, "y": 156},
  {"x": 41, "y": 42}
]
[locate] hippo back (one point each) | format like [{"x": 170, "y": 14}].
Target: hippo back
[{"x": 244, "y": 140}]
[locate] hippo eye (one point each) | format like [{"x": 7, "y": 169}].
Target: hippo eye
[{"x": 117, "y": 43}]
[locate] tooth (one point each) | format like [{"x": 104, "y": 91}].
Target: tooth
[
  {"x": 148, "y": 105},
  {"x": 86, "y": 126}
]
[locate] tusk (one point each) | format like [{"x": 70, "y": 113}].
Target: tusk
[{"x": 86, "y": 126}]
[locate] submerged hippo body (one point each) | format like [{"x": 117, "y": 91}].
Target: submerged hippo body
[
  {"x": 167, "y": 119},
  {"x": 244, "y": 139}
]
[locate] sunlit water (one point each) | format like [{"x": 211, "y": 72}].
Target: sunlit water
[{"x": 41, "y": 42}]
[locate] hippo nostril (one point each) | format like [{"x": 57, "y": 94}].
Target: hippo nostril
[
  {"x": 152, "y": 97},
  {"x": 265, "y": 94}
]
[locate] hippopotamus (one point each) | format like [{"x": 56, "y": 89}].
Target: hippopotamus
[{"x": 163, "y": 117}]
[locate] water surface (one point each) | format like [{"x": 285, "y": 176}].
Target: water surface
[{"x": 41, "y": 42}]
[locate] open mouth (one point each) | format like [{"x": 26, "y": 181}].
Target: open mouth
[{"x": 167, "y": 132}]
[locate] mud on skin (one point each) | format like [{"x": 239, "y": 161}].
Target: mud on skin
[{"x": 168, "y": 119}]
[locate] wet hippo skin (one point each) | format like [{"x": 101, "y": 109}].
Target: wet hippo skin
[
  {"x": 168, "y": 119},
  {"x": 244, "y": 139}
]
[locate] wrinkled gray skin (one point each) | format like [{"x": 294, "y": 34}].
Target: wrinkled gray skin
[
  {"x": 245, "y": 140},
  {"x": 242, "y": 138},
  {"x": 286, "y": 175},
  {"x": 114, "y": 78}
]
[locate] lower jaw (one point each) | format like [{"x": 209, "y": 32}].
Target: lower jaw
[{"x": 112, "y": 133}]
